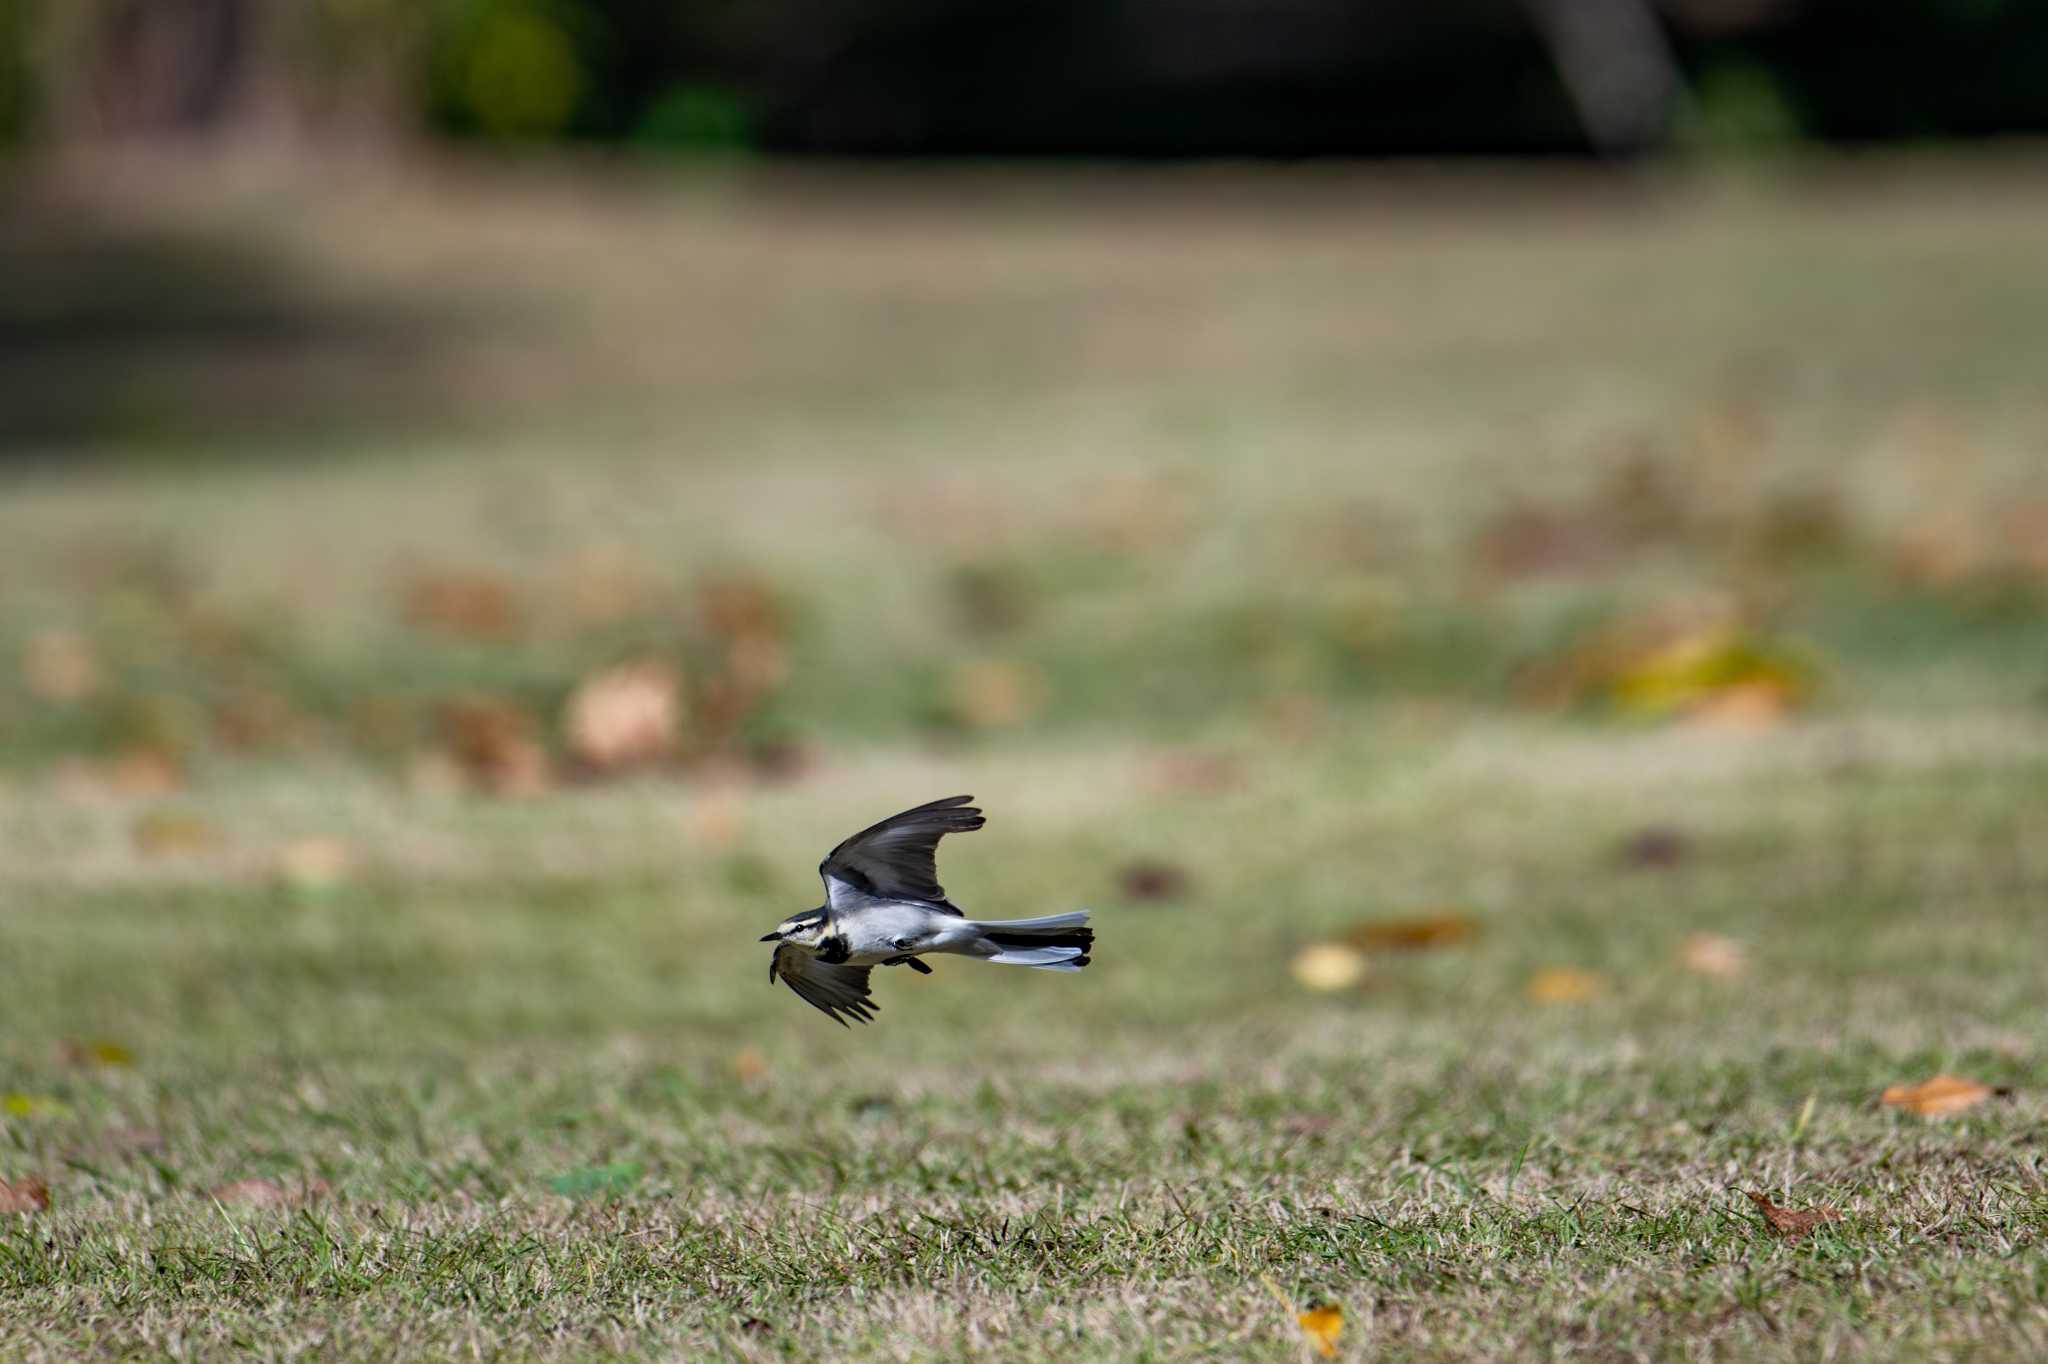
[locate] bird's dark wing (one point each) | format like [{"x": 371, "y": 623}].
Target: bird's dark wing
[
  {"x": 896, "y": 859},
  {"x": 836, "y": 990}
]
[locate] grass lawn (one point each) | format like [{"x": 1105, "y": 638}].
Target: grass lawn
[{"x": 1593, "y": 569}]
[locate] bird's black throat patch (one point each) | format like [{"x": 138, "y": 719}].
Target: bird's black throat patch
[{"x": 834, "y": 950}]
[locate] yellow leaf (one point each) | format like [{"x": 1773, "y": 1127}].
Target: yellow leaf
[
  {"x": 1564, "y": 985},
  {"x": 1322, "y": 1325},
  {"x": 18, "y": 1105},
  {"x": 1939, "y": 1096},
  {"x": 1329, "y": 966}
]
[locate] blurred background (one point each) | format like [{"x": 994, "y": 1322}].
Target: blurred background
[{"x": 504, "y": 400}]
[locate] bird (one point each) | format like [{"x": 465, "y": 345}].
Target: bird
[{"x": 884, "y": 907}]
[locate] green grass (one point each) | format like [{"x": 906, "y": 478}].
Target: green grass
[{"x": 1227, "y": 507}]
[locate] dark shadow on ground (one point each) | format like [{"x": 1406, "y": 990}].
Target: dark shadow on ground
[{"x": 135, "y": 335}]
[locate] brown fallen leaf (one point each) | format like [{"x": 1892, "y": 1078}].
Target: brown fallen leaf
[
  {"x": 60, "y": 667},
  {"x": 1564, "y": 985},
  {"x": 1791, "y": 1223},
  {"x": 1322, "y": 1325},
  {"x": 749, "y": 1066},
  {"x": 1329, "y": 966},
  {"x": 1415, "y": 934},
  {"x": 1710, "y": 954},
  {"x": 473, "y": 606},
  {"x": 624, "y": 717},
  {"x": 1940, "y": 1096},
  {"x": 23, "y": 1195},
  {"x": 1656, "y": 845},
  {"x": 1153, "y": 880},
  {"x": 268, "y": 1193},
  {"x": 492, "y": 741}
]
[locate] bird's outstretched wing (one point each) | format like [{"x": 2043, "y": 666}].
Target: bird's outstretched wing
[
  {"x": 836, "y": 990},
  {"x": 897, "y": 859}
]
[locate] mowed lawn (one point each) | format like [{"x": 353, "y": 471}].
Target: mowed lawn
[{"x": 1640, "y": 583}]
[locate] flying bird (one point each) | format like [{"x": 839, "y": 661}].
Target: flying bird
[{"x": 884, "y": 907}]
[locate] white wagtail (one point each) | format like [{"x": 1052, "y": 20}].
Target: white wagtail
[{"x": 884, "y": 907}]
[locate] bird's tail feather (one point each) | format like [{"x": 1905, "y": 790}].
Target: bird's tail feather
[{"x": 1057, "y": 942}]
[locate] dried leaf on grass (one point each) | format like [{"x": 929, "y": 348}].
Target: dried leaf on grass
[
  {"x": 1419, "y": 933},
  {"x": 1322, "y": 1325},
  {"x": 1153, "y": 880},
  {"x": 625, "y": 717},
  {"x": 61, "y": 667},
  {"x": 1720, "y": 675},
  {"x": 137, "y": 773},
  {"x": 1329, "y": 966},
  {"x": 492, "y": 741},
  {"x": 1656, "y": 845},
  {"x": 1710, "y": 954},
  {"x": 1791, "y": 1223},
  {"x": 473, "y": 606},
  {"x": 749, "y": 1066},
  {"x": 1940, "y": 1096},
  {"x": 1564, "y": 985},
  {"x": 23, "y": 1195},
  {"x": 268, "y": 1193}
]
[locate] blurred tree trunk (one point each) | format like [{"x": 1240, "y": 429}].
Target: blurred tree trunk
[
  {"x": 185, "y": 71},
  {"x": 1618, "y": 67}
]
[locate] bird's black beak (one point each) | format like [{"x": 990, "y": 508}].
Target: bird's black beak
[{"x": 771, "y": 937}]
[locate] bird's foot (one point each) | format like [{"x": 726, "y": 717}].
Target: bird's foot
[{"x": 912, "y": 962}]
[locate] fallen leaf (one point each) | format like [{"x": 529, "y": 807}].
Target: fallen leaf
[
  {"x": 625, "y": 717},
  {"x": 588, "y": 1181},
  {"x": 492, "y": 741},
  {"x": 997, "y": 693},
  {"x": 315, "y": 865},
  {"x": 15, "y": 1104},
  {"x": 60, "y": 666},
  {"x": 473, "y": 606},
  {"x": 1329, "y": 966},
  {"x": 1152, "y": 880},
  {"x": 94, "y": 1051},
  {"x": 268, "y": 1193},
  {"x": 1656, "y": 845},
  {"x": 24, "y": 1195},
  {"x": 166, "y": 833},
  {"x": 1792, "y": 1223},
  {"x": 1939, "y": 1096},
  {"x": 1413, "y": 934},
  {"x": 749, "y": 1066},
  {"x": 137, "y": 773},
  {"x": 1719, "y": 674},
  {"x": 1564, "y": 985},
  {"x": 1322, "y": 1325},
  {"x": 1710, "y": 954}
]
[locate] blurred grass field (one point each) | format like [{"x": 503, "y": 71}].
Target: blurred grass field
[{"x": 1605, "y": 564}]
